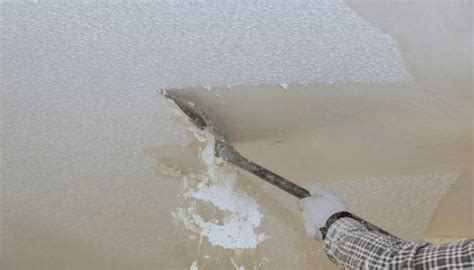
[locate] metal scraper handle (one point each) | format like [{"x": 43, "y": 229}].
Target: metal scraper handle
[{"x": 227, "y": 152}]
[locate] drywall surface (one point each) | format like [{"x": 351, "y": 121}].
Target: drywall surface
[
  {"x": 173, "y": 44},
  {"x": 83, "y": 130}
]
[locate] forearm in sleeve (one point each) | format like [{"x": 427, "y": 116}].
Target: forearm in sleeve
[{"x": 352, "y": 246}]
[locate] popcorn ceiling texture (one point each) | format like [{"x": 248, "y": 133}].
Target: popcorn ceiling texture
[{"x": 174, "y": 44}]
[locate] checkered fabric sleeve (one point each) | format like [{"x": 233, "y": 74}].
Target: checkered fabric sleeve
[{"x": 352, "y": 246}]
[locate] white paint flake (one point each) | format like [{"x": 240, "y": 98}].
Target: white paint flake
[
  {"x": 237, "y": 229},
  {"x": 214, "y": 185},
  {"x": 194, "y": 266}
]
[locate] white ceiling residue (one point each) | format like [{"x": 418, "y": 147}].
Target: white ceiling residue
[
  {"x": 175, "y": 44},
  {"x": 237, "y": 230},
  {"x": 212, "y": 189}
]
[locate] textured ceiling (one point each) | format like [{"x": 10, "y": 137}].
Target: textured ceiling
[
  {"x": 80, "y": 111},
  {"x": 168, "y": 44}
]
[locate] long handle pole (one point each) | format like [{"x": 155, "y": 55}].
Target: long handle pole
[{"x": 228, "y": 153}]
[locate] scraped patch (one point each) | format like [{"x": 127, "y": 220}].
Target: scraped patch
[
  {"x": 414, "y": 198},
  {"x": 237, "y": 230},
  {"x": 212, "y": 205}
]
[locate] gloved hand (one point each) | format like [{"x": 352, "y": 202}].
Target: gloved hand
[{"x": 318, "y": 208}]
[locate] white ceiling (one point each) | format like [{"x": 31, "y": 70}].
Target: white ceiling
[{"x": 167, "y": 44}]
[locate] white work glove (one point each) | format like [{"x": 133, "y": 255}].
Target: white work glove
[{"x": 318, "y": 208}]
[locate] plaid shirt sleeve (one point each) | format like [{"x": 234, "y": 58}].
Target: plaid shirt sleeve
[{"x": 352, "y": 246}]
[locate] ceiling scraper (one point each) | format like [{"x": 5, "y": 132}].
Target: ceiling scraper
[{"x": 224, "y": 149}]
